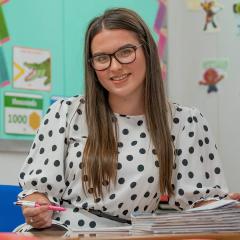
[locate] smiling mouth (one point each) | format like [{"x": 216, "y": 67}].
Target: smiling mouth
[{"x": 119, "y": 78}]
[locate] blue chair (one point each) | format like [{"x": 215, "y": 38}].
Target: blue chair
[{"x": 10, "y": 215}]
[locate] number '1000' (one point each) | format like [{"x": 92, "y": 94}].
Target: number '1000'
[{"x": 14, "y": 118}]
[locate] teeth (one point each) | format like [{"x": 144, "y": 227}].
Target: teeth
[{"x": 119, "y": 78}]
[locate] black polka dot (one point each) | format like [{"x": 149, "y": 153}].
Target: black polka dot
[
  {"x": 50, "y": 133},
  {"x": 30, "y": 160},
  {"x": 78, "y": 154},
  {"x": 22, "y": 174},
  {"x": 211, "y": 156},
  {"x": 85, "y": 205},
  {"x": 184, "y": 162},
  {"x": 119, "y": 166},
  {"x": 120, "y": 144},
  {"x": 62, "y": 130},
  {"x": 125, "y": 131},
  {"x": 56, "y": 163},
  {"x": 145, "y": 208},
  {"x": 81, "y": 223},
  {"x": 136, "y": 209},
  {"x": 125, "y": 212},
  {"x": 133, "y": 143},
  {"x": 49, "y": 187},
  {"x": 57, "y": 115},
  {"x": 112, "y": 196},
  {"x": 196, "y": 192},
  {"x": 41, "y": 137},
  {"x": 142, "y": 150},
  {"x": 46, "y": 161},
  {"x": 205, "y": 128},
  {"x": 45, "y": 121},
  {"x": 140, "y": 122},
  {"x": 133, "y": 184},
  {"x": 142, "y": 135},
  {"x": 121, "y": 180},
  {"x": 181, "y": 192},
  {"x": 190, "y": 174},
  {"x": 199, "y": 185},
  {"x": 129, "y": 157},
  {"x": 201, "y": 159},
  {"x": 75, "y": 127},
  {"x": 179, "y": 176},
  {"x": 200, "y": 142},
  {"x": 206, "y": 140},
  {"x": 207, "y": 175},
  {"x": 176, "y": 120},
  {"x": 217, "y": 170},
  {"x": 120, "y": 205},
  {"x": 54, "y": 148},
  {"x": 157, "y": 163},
  {"x": 59, "y": 178},
  {"x": 190, "y": 119},
  {"x": 146, "y": 194},
  {"x": 43, "y": 179},
  {"x": 191, "y": 150},
  {"x": 151, "y": 179},
  {"x": 42, "y": 150},
  {"x": 133, "y": 197},
  {"x": 34, "y": 183},
  {"x": 140, "y": 168},
  {"x": 195, "y": 119},
  {"x": 191, "y": 134}
]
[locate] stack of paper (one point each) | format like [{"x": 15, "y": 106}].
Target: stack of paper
[{"x": 220, "y": 216}]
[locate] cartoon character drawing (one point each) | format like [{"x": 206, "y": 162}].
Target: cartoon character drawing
[
  {"x": 210, "y": 78},
  {"x": 211, "y": 10},
  {"x": 39, "y": 70}
]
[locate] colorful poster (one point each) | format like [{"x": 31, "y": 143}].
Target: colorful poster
[
  {"x": 214, "y": 71},
  {"x": 4, "y": 77},
  {"x": 3, "y": 1},
  {"x": 22, "y": 113},
  {"x": 160, "y": 27},
  {"x": 31, "y": 69},
  {"x": 193, "y": 5},
  {"x": 211, "y": 8},
  {"x": 4, "y": 37}
]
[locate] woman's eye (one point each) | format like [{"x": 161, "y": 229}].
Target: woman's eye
[
  {"x": 125, "y": 52},
  {"x": 101, "y": 58}
]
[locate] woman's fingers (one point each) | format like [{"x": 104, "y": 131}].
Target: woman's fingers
[
  {"x": 39, "y": 217},
  {"x": 235, "y": 196}
]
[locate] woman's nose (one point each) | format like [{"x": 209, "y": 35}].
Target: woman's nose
[{"x": 115, "y": 64}]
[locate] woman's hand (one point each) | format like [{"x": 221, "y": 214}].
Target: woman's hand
[
  {"x": 39, "y": 217},
  {"x": 234, "y": 196}
]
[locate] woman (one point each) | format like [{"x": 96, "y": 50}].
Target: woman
[{"x": 117, "y": 149}]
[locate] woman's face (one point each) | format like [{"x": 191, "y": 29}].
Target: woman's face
[{"x": 120, "y": 80}]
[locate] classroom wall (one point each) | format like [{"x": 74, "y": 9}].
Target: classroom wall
[{"x": 189, "y": 45}]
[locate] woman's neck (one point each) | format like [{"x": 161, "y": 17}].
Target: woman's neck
[{"x": 127, "y": 105}]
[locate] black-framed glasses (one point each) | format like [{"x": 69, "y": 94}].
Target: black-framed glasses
[{"x": 123, "y": 55}]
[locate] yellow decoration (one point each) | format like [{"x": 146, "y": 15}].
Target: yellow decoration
[{"x": 34, "y": 120}]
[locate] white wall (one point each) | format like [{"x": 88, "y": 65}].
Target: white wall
[
  {"x": 12, "y": 155},
  {"x": 189, "y": 45}
]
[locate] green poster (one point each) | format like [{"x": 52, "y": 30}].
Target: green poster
[{"x": 3, "y": 28}]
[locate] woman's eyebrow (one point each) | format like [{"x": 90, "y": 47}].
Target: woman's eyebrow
[{"x": 122, "y": 47}]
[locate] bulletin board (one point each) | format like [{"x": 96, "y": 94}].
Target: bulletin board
[{"x": 42, "y": 58}]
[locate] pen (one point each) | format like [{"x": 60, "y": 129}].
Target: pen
[{"x": 35, "y": 205}]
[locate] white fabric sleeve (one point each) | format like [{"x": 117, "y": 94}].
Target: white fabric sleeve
[
  {"x": 43, "y": 170},
  {"x": 197, "y": 172}
]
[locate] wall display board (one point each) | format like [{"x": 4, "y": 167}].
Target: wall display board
[{"x": 43, "y": 60}]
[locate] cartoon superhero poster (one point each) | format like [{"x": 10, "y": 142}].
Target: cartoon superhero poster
[
  {"x": 31, "y": 69},
  {"x": 214, "y": 71},
  {"x": 211, "y": 8}
]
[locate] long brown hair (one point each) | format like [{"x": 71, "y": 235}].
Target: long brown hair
[{"x": 100, "y": 153}]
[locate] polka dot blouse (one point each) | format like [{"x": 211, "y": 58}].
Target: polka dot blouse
[{"x": 54, "y": 165}]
